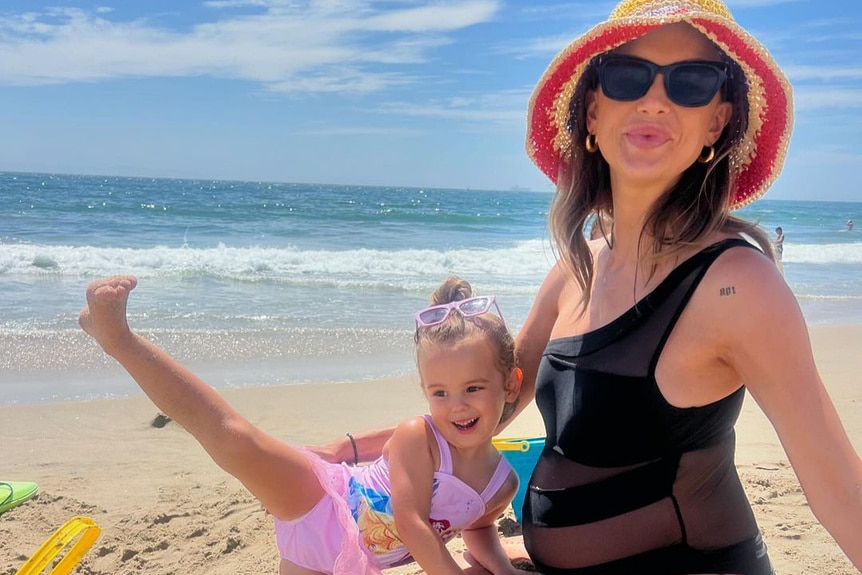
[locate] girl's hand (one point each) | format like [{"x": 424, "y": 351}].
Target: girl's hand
[
  {"x": 479, "y": 570},
  {"x": 519, "y": 566}
]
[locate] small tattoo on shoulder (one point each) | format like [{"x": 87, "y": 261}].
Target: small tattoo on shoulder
[{"x": 730, "y": 290}]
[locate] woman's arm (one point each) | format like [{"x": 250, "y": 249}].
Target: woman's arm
[
  {"x": 531, "y": 341},
  {"x": 369, "y": 446},
  {"x": 766, "y": 342}
]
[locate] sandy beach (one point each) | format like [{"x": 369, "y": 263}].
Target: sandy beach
[{"x": 164, "y": 507}]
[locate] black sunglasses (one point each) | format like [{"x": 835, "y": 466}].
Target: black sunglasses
[{"x": 691, "y": 84}]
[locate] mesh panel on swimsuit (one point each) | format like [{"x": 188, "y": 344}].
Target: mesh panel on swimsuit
[{"x": 628, "y": 483}]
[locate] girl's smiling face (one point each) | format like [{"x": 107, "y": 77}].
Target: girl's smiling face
[{"x": 465, "y": 389}]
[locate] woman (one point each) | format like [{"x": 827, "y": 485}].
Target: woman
[
  {"x": 640, "y": 345},
  {"x": 637, "y": 348}
]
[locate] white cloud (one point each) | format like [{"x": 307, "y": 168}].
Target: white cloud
[
  {"x": 823, "y": 73},
  {"x": 312, "y": 46},
  {"x": 592, "y": 12},
  {"x": 361, "y": 131},
  {"x": 445, "y": 111},
  {"x": 503, "y": 107},
  {"x": 757, "y": 3},
  {"x": 439, "y": 17},
  {"x": 340, "y": 80},
  {"x": 809, "y": 98},
  {"x": 236, "y": 3},
  {"x": 826, "y": 155},
  {"x": 542, "y": 46}
]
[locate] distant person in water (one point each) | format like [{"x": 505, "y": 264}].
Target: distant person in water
[
  {"x": 778, "y": 244},
  {"x": 849, "y": 225}
]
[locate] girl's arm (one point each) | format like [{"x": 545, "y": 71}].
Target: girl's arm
[
  {"x": 411, "y": 466},
  {"x": 765, "y": 340},
  {"x": 483, "y": 540}
]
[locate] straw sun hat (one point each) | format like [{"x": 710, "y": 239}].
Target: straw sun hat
[{"x": 755, "y": 161}]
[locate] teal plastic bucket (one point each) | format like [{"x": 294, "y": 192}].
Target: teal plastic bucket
[{"x": 522, "y": 453}]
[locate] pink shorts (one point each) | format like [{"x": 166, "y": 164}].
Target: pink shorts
[
  {"x": 325, "y": 539},
  {"x": 314, "y": 540}
]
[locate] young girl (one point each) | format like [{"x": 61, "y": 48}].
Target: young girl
[{"x": 439, "y": 474}]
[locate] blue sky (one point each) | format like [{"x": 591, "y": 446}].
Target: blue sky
[{"x": 400, "y": 92}]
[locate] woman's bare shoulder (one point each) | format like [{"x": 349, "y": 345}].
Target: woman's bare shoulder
[{"x": 744, "y": 290}]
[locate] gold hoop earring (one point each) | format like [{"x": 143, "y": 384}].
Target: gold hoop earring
[
  {"x": 709, "y": 156},
  {"x": 591, "y": 145}
]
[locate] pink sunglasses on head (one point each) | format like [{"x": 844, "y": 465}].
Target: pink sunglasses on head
[{"x": 466, "y": 307}]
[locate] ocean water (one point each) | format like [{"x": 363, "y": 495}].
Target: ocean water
[{"x": 275, "y": 283}]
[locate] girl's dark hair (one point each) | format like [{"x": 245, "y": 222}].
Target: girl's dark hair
[
  {"x": 697, "y": 206},
  {"x": 456, "y": 327}
]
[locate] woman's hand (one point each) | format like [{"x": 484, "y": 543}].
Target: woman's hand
[
  {"x": 333, "y": 452},
  {"x": 369, "y": 446}
]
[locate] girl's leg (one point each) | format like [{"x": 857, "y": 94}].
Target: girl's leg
[
  {"x": 279, "y": 475},
  {"x": 276, "y": 473}
]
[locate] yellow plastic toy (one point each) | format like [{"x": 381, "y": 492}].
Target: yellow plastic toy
[
  {"x": 511, "y": 443},
  {"x": 54, "y": 545},
  {"x": 522, "y": 453}
]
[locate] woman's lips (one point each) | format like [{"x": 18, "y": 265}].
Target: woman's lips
[{"x": 647, "y": 137}]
